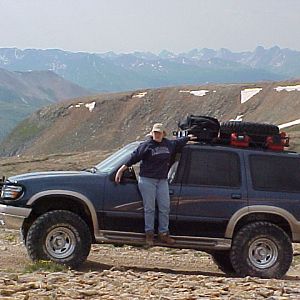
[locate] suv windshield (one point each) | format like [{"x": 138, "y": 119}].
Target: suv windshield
[{"x": 115, "y": 160}]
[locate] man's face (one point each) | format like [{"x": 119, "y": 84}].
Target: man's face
[{"x": 157, "y": 136}]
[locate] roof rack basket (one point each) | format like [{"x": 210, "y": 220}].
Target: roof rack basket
[{"x": 277, "y": 142}]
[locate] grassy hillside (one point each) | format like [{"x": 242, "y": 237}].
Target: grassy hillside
[
  {"x": 22, "y": 93},
  {"x": 11, "y": 114},
  {"x": 108, "y": 121}
]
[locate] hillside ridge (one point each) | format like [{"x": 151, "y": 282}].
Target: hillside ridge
[
  {"x": 108, "y": 121},
  {"x": 107, "y": 72},
  {"x": 21, "y": 93}
]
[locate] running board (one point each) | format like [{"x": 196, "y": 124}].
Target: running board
[{"x": 130, "y": 238}]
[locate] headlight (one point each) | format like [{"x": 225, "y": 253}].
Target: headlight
[{"x": 11, "y": 192}]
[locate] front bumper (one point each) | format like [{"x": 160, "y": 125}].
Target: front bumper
[{"x": 13, "y": 217}]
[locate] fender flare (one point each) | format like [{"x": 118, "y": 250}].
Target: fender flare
[
  {"x": 237, "y": 216},
  {"x": 76, "y": 195}
]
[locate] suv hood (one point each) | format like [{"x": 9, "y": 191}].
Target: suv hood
[{"x": 45, "y": 174}]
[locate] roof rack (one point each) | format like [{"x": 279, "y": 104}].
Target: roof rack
[
  {"x": 276, "y": 142},
  {"x": 233, "y": 133}
]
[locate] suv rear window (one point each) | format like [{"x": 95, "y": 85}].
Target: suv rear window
[
  {"x": 213, "y": 168},
  {"x": 275, "y": 173}
]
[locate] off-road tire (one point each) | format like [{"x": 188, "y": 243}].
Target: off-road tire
[
  {"x": 222, "y": 260},
  {"x": 249, "y": 128},
  {"x": 261, "y": 249},
  {"x": 60, "y": 236}
]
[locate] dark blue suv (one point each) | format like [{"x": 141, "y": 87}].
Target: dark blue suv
[{"x": 242, "y": 206}]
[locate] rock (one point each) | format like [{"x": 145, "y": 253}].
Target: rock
[
  {"x": 7, "y": 292},
  {"x": 88, "y": 292},
  {"x": 134, "y": 273}
]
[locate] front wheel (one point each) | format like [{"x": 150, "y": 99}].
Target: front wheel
[
  {"x": 61, "y": 236},
  {"x": 222, "y": 260},
  {"x": 261, "y": 249}
]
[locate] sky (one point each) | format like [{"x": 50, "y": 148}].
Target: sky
[{"x": 125, "y": 26}]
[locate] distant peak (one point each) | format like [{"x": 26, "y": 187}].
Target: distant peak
[
  {"x": 225, "y": 50},
  {"x": 275, "y": 49},
  {"x": 259, "y": 49},
  {"x": 166, "y": 54}
]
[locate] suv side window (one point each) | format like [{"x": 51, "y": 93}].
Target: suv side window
[
  {"x": 213, "y": 168},
  {"x": 275, "y": 173}
]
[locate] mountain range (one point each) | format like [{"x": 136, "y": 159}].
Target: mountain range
[
  {"x": 109, "y": 71},
  {"x": 105, "y": 122},
  {"x": 21, "y": 93}
]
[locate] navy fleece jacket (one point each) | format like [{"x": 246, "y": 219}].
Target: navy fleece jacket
[{"x": 156, "y": 156}]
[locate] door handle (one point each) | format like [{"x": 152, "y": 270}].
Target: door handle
[{"x": 236, "y": 196}]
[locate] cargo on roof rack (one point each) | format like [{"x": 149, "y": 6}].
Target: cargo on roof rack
[
  {"x": 233, "y": 133},
  {"x": 203, "y": 127}
]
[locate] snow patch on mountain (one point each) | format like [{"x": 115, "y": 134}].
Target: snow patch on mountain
[
  {"x": 288, "y": 88},
  {"x": 89, "y": 106},
  {"x": 4, "y": 60},
  {"x": 247, "y": 94},
  {"x": 199, "y": 93},
  {"x": 289, "y": 124},
  {"x": 23, "y": 100},
  {"x": 140, "y": 95},
  {"x": 56, "y": 66},
  {"x": 238, "y": 118}
]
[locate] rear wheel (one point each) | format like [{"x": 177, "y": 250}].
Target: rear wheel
[
  {"x": 261, "y": 249},
  {"x": 60, "y": 236}
]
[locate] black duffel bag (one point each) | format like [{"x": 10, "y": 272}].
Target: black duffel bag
[{"x": 203, "y": 127}]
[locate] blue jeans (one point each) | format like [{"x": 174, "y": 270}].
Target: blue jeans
[{"x": 155, "y": 189}]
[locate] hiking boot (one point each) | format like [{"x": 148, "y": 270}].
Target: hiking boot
[
  {"x": 149, "y": 239},
  {"x": 165, "y": 238}
]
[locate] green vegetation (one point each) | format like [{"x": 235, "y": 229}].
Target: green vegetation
[
  {"x": 11, "y": 114},
  {"x": 26, "y": 130},
  {"x": 45, "y": 266},
  {"x": 11, "y": 238}
]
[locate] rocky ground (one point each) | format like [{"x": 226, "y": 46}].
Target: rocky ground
[{"x": 134, "y": 273}]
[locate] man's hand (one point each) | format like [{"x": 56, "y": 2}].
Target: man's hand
[
  {"x": 118, "y": 177},
  {"x": 192, "y": 137}
]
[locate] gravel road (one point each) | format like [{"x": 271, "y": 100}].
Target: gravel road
[{"x": 135, "y": 273}]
